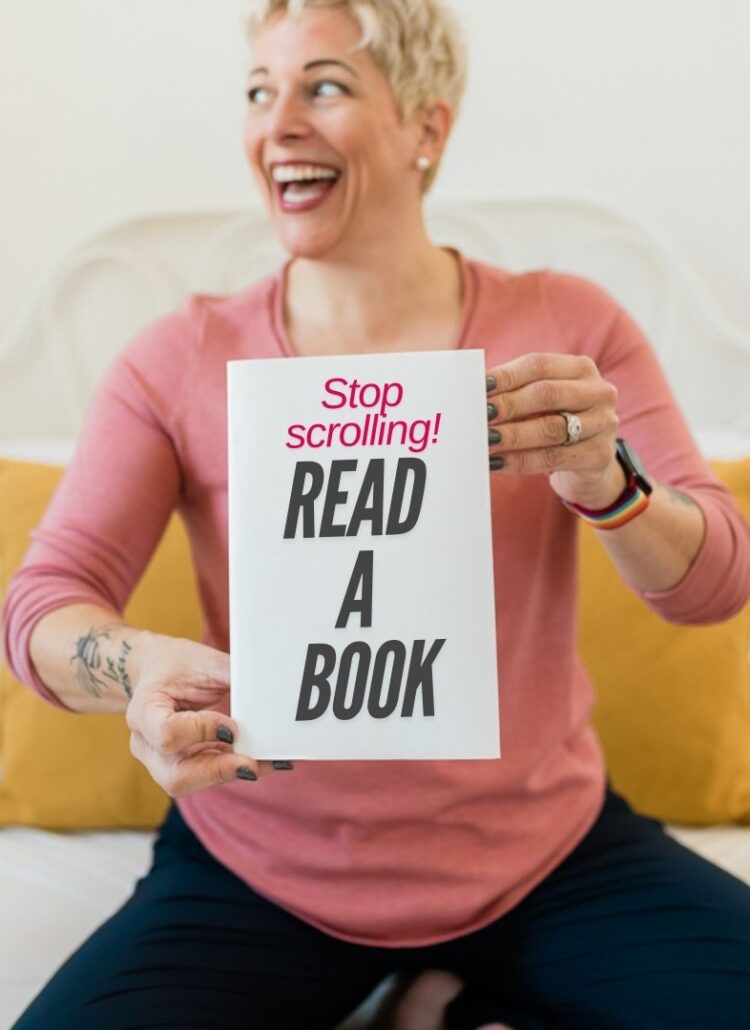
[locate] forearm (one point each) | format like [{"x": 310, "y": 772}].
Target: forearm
[
  {"x": 86, "y": 655},
  {"x": 655, "y": 550}
]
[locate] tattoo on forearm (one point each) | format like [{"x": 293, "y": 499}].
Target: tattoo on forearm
[
  {"x": 88, "y": 658},
  {"x": 680, "y": 497},
  {"x": 117, "y": 672}
]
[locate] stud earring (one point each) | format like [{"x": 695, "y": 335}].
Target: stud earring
[{"x": 423, "y": 163}]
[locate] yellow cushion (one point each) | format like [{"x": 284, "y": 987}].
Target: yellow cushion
[
  {"x": 672, "y": 702},
  {"x": 64, "y": 770}
]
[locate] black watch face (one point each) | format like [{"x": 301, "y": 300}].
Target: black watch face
[{"x": 633, "y": 465}]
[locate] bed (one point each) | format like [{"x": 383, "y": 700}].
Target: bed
[{"x": 56, "y": 887}]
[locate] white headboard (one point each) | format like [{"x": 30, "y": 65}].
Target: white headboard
[{"x": 111, "y": 285}]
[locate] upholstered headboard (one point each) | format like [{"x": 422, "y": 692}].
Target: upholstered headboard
[{"x": 105, "y": 289}]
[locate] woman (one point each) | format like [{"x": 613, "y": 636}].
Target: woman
[{"x": 282, "y": 903}]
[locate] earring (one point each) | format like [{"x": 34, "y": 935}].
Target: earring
[{"x": 423, "y": 163}]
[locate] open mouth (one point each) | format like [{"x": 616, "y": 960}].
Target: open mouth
[{"x": 303, "y": 186}]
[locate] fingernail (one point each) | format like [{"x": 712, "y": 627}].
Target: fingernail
[
  {"x": 494, "y": 436},
  {"x": 491, "y": 411},
  {"x": 225, "y": 734},
  {"x": 496, "y": 462},
  {"x": 282, "y": 765},
  {"x": 245, "y": 773},
  {"x": 490, "y": 382}
]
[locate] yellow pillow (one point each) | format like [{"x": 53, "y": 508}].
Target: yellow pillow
[
  {"x": 64, "y": 770},
  {"x": 672, "y": 702}
]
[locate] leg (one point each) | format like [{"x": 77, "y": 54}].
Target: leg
[
  {"x": 196, "y": 947},
  {"x": 419, "y": 1002},
  {"x": 631, "y": 932}
]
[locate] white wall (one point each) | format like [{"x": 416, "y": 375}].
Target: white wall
[{"x": 108, "y": 108}]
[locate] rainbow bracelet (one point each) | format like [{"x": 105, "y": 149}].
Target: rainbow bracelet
[{"x": 631, "y": 502}]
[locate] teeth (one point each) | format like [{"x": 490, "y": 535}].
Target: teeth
[{"x": 302, "y": 173}]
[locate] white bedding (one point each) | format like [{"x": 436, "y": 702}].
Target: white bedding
[{"x": 56, "y": 888}]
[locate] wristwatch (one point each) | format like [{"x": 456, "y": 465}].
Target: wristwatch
[
  {"x": 633, "y": 500},
  {"x": 632, "y": 466}
]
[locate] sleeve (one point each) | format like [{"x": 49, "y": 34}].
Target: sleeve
[
  {"x": 591, "y": 322},
  {"x": 113, "y": 502}
]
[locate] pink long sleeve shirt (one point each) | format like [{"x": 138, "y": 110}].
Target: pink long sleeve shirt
[{"x": 389, "y": 853}]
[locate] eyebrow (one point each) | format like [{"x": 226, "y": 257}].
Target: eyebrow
[{"x": 312, "y": 64}]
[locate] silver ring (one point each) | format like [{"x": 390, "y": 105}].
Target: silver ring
[{"x": 573, "y": 428}]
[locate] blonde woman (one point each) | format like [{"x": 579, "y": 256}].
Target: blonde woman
[{"x": 278, "y": 896}]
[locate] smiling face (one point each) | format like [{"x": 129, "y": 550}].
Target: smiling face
[{"x": 334, "y": 160}]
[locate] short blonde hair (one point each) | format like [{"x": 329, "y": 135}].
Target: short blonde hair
[{"x": 416, "y": 43}]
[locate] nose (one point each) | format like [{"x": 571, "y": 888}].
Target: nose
[{"x": 288, "y": 118}]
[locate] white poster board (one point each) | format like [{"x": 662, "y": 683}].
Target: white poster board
[{"x": 362, "y": 616}]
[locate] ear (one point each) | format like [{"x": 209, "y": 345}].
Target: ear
[{"x": 434, "y": 125}]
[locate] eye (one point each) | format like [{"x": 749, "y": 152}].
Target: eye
[
  {"x": 258, "y": 95},
  {"x": 329, "y": 88}
]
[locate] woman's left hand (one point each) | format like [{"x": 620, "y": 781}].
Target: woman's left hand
[{"x": 525, "y": 398}]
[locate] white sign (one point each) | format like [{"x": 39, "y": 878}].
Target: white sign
[{"x": 362, "y": 613}]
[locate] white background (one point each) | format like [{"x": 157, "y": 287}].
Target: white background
[{"x": 111, "y": 108}]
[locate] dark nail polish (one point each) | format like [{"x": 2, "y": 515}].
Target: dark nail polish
[
  {"x": 224, "y": 734},
  {"x": 282, "y": 765},
  {"x": 494, "y": 436},
  {"x": 491, "y": 411},
  {"x": 245, "y": 773},
  {"x": 490, "y": 383},
  {"x": 496, "y": 462}
]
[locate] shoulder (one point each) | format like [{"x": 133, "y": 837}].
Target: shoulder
[
  {"x": 579, "y": 313},
  {"x": 163, "y": 339},
  {"x": 573, "y": 295},
  {"x": 250, "y": 302},
  {"x": 576, "y": 301},
  {"x": 174, "y": 336},
  {"x": 151, "y": 373}
]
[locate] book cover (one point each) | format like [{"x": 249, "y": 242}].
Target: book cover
[{"x": 362, "y": 615}]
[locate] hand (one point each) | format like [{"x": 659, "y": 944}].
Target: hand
[
  {"x": 528, "y": 395},
  {"x": 173, "y": 730}
]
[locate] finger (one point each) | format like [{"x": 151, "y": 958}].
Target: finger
[
  {"x": 549, "y": 395},
  {"x": 170, "y": 731},
  {"x": 549, "y": 431},
  {"x": 271, "y": 768},
  {"x": 181, "y": 775},
  {"x": 265, "y": 767},
  {"x": 582, "y": 458},
  {"x": 215, "y": 745},
  {"x": 542, "y": 460},
  {"x": 532, "y": 367}
]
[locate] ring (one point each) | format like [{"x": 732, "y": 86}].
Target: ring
[{"x": 573, "y": 428}]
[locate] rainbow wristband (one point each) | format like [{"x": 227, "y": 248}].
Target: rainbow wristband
[{"x": 631, "y": 503}]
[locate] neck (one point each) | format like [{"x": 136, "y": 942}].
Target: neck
[{"x": 374, "y": 300}]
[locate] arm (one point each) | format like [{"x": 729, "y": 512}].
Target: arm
[
  {"x": 656, "y": 550},
  {"x": 63, "y": 628},
  {"x": 164, "y": 686},
  {"x": 688, "y": 554},
  {"x": 97, "y": 534},
  {"x": 653, "y": 552},
  {"x": 87, "y": 657}
]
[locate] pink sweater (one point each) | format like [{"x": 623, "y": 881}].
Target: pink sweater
[{"x": 388, "y": 853}]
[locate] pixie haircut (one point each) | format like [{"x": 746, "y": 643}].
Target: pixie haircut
[{"x": 416, "y": 43}]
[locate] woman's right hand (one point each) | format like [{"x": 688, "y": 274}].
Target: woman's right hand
[{"x": 173, "y": 729}]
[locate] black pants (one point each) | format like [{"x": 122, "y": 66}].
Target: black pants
[{"x": 631, "y": 931}]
